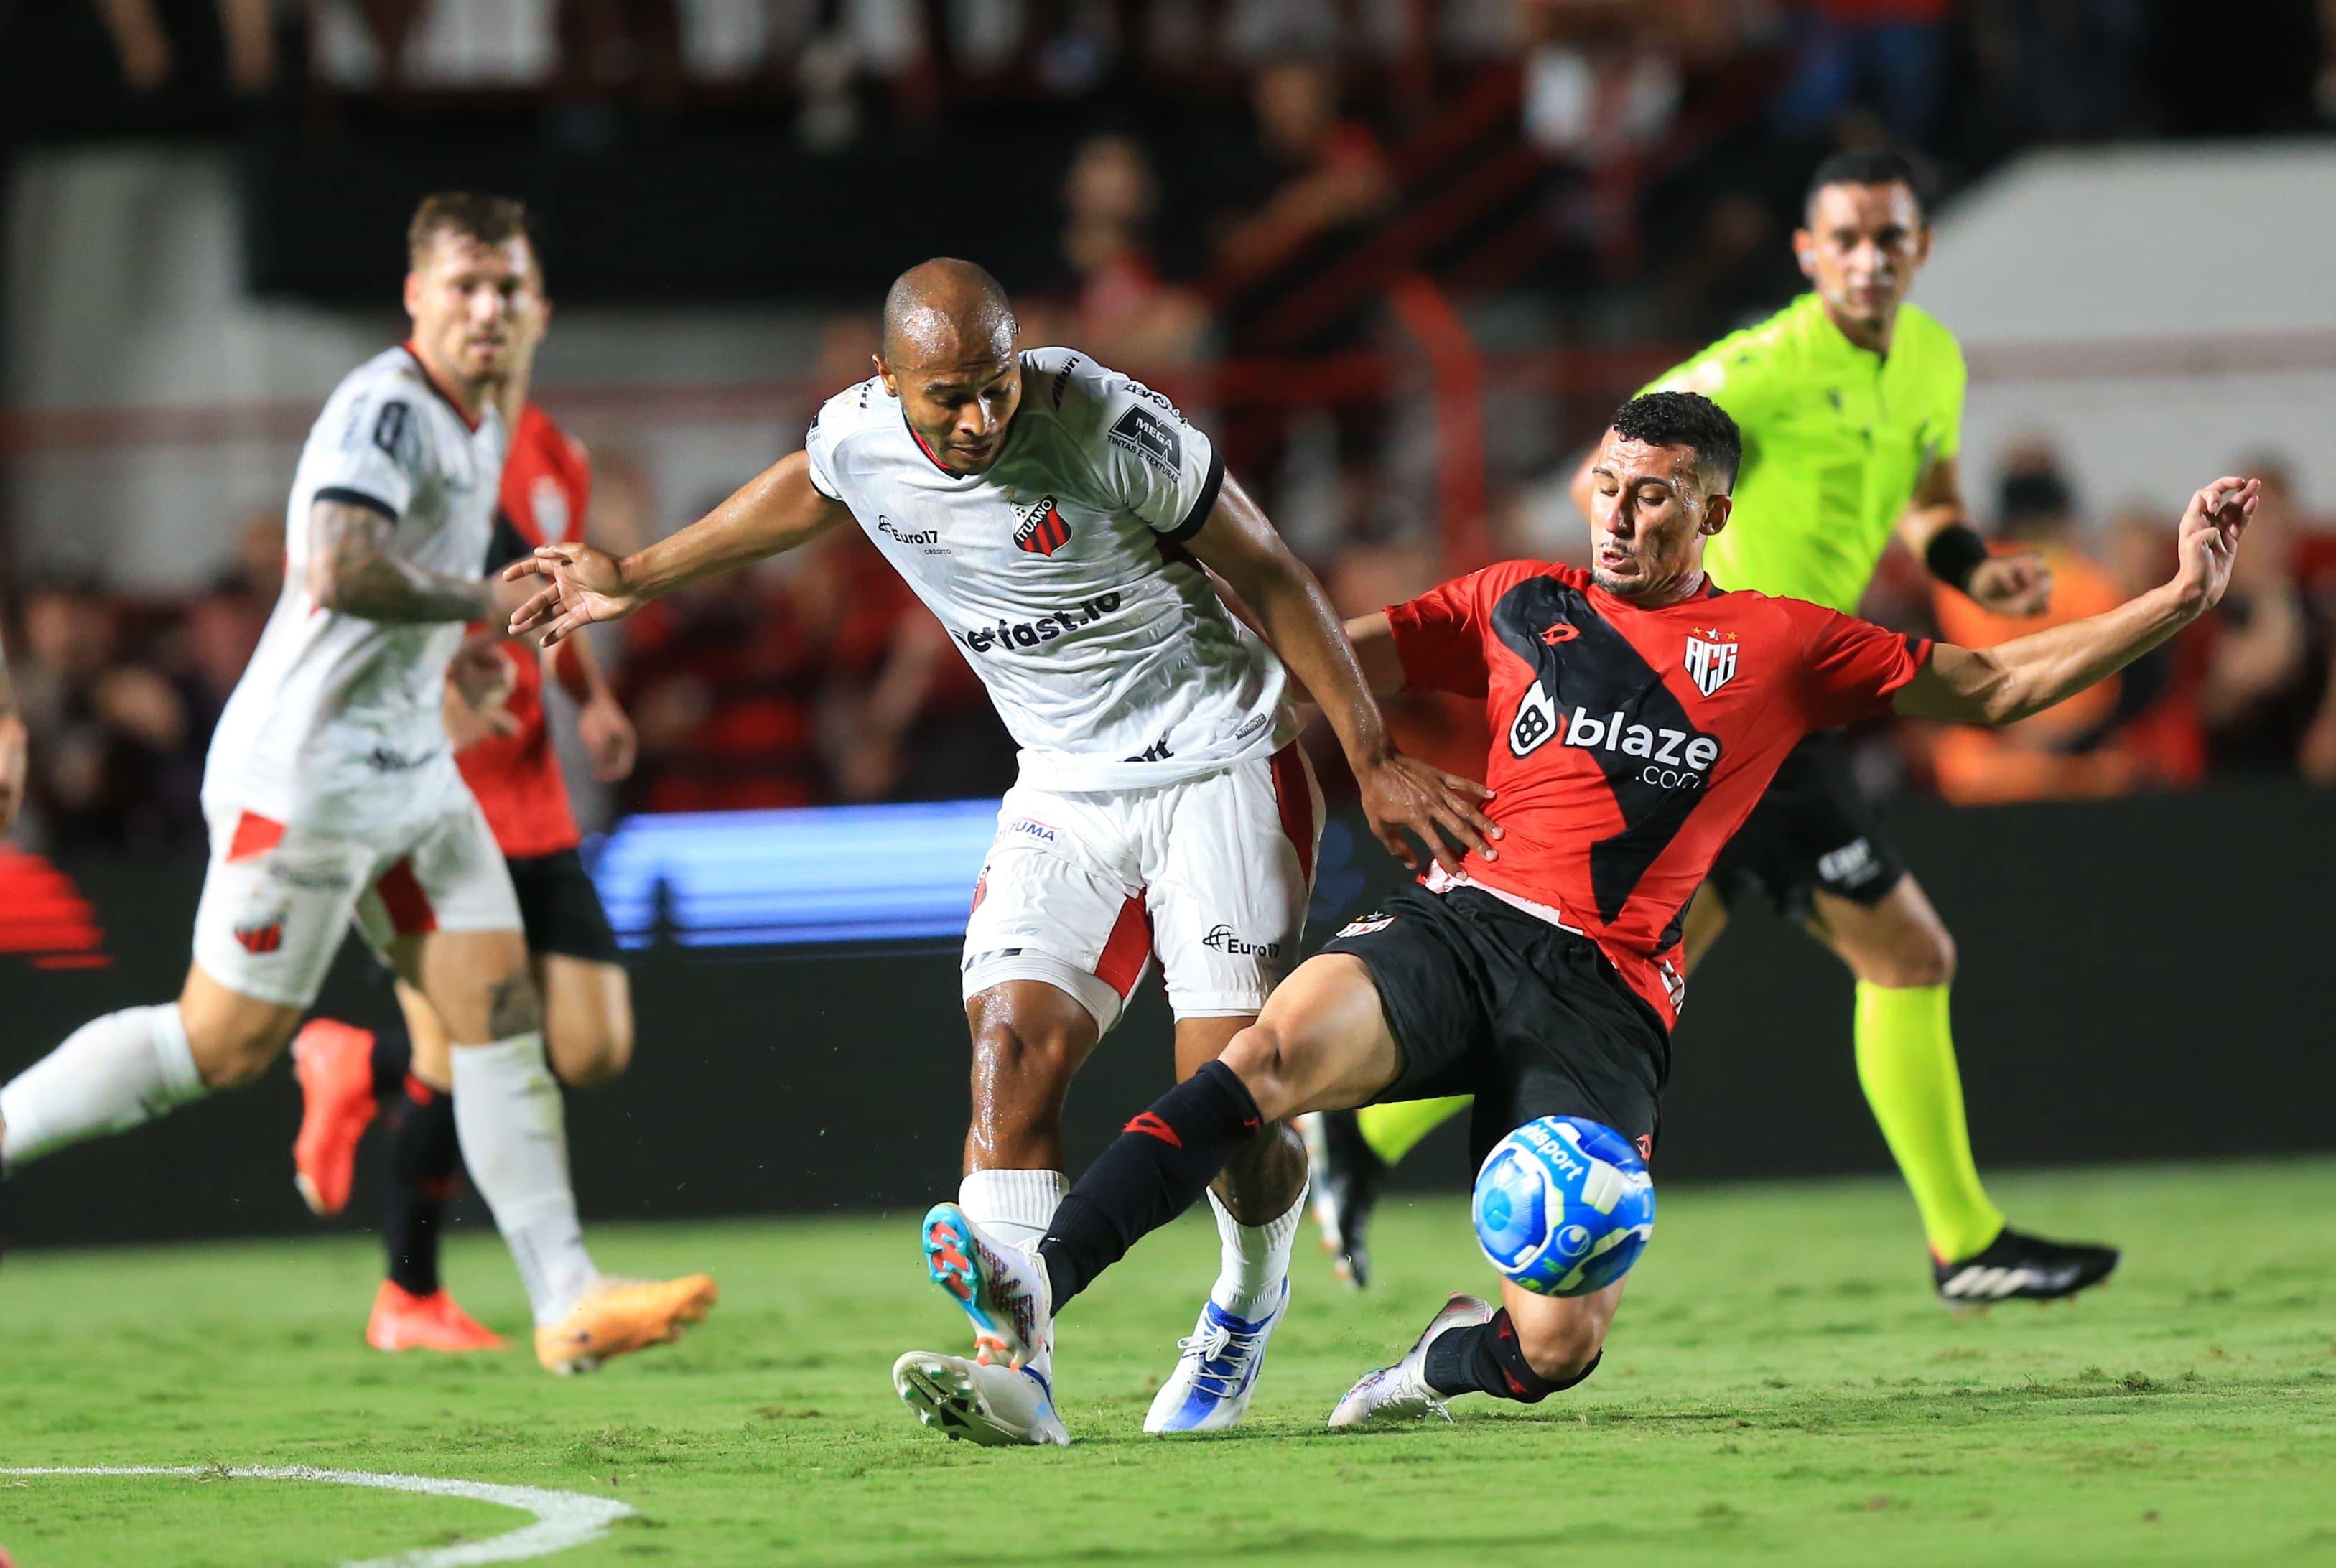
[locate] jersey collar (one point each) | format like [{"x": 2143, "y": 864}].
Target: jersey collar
[
  {"x": 444, "y": 396},
  {"x": 934, "y": 458},
  {"x": 1836, "y": 343}
]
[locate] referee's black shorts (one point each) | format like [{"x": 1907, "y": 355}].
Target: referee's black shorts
[
  {"x": 559, "y": 909},
  {"x": 1814, "y": 831},
  {"x": 1485, "y": 999}
]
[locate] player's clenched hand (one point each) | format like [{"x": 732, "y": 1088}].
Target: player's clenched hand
[
  {"x": 586, "y": 585},
  {"x": 608, "y": 738},
  {"x": 2018, "y": 585},
  {"x": 481, "y": 679},
  {"x": 2208, "y": 539},
  {"x": 1401, "y": 793}
]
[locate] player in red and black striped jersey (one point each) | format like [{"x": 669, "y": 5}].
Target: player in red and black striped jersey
[
  {"x": 496, "y": 723},
  {"x": 1637, "y": 714}
]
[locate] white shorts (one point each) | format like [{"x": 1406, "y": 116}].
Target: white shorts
[
  {"x": 277, "y": 901},
  {"x": 1082, "y": 887}
]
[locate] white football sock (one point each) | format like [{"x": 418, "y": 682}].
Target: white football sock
[
  {"x": 1017, "y": 1207},
  {"x": 1254, "y": 1259},
  {"x": 111, "y": 1074},
  {"x": 513, "y": 1129}
]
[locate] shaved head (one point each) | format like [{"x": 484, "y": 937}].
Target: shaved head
[
  {"x": 950, "y": 354},
  {"x": 946, "y": 311}
]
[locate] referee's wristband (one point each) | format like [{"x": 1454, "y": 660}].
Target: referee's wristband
[{"x": 1955, "y": 553}]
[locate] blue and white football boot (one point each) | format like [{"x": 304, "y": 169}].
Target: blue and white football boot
[
  {"x": 995, "y": 1407},
  {"x": 1210, "y": 1388},
  {"x": 1003, "y": 1288}
]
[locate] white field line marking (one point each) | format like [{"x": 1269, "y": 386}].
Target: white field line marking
[{"x": 562, "y": 1519}]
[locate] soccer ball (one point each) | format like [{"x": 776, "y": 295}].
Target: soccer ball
[{"x": 1563, "y": 1206}]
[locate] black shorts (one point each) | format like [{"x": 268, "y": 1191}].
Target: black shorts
[
  {"x": 1488, "y": 1001},
  {"x": 559, "y": 909},
  {"x": 1813, "y": 830}
]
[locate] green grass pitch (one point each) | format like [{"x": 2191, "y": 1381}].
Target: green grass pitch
[{"x": 1781, "y": 1387}]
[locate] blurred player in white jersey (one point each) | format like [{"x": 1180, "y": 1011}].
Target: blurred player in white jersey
[
  {"x": 1056, "y": 517},
  {"x": 332, "y": 795}
]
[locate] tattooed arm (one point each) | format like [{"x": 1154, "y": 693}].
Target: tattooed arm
[{"x": 352, "y": 569}]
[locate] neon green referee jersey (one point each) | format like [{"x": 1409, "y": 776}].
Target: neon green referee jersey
[{"x": 1836, "y": 440}]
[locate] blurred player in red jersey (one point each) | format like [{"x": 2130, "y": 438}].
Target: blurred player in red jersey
[
  {"x": 495, "y": 717},
  {"x": 1637, "y": 712}
]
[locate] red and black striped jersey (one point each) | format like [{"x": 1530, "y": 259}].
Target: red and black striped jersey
[
  {"x": 1627, "y": 743},
  {"x": 547, "y": 485}
]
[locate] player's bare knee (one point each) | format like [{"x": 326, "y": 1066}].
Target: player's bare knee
[
  {"x": 1271, "y": 1064},
  {"x": 1917, "y": 955},
  {"x": 592, "y": 1062},
  {"x": 1021, "y": 1069},
  {"x": 1561, "y": 1347},
  {"x": 232, "y": 1053}
]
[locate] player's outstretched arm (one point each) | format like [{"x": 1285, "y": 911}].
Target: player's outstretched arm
[
  {"x": 775, "y": 511},
  {"x": 2011, "y": 681},
  {"x": 1398, "y": 793},
  {"x": 352, "y": 570}
]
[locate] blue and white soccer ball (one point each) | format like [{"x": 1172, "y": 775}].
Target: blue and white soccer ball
[{"x": 1563, "y": 1206}]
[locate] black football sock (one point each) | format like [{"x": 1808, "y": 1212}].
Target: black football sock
[
  {"x": 1485, "y": 1358},
  {"x": 392, "y": 1058},
  {"x": 423, "y": 1156},
  {"x": 1157, "y": 1167}
]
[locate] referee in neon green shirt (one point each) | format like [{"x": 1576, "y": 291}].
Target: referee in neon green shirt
[{"x": 1850, "y": 403}]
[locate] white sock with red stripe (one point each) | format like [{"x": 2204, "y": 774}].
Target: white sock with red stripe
[
  {"x": 1253, "y": 1259},
  {"x": 1017, "y": 1207},
  {"x": 111, "y": 1074},
  {"x": 514, "y": 1131}
]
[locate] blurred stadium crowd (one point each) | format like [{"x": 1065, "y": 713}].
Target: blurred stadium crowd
[{"x": 1656, "y": 149}]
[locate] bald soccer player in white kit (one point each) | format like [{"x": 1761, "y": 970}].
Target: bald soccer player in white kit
[
  {"x": 1056, "y": 517},
  {"x": 332, "y": 797}
]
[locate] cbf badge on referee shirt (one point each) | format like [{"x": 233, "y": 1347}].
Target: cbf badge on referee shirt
[{"x": 1710, "y": 660}]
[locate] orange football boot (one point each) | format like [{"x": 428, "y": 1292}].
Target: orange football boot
[
  {"x": 402, "y": 1320},
  {"x": 334, "y": 1062},
  {"x": 621, "y": 1315}
]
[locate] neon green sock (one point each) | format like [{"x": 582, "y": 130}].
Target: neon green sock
[
  {"x": 1394, "y": 1131},
  {"x": 1906, "y": 1060}
]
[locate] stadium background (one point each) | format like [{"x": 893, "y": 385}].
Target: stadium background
[{"x": 1402, "y": 258}]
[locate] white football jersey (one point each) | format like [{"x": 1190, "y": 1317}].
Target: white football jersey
[
  {"x": 338, "y": 721},
  {"x": 1061, "y": 575}
]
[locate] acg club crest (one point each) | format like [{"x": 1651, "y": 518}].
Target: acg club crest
[{"x": 1710, "y": 660}]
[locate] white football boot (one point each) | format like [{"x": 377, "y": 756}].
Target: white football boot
[
  {"x": 1217, "y": 1371},
  {"x": 1400, "y": 1392},
  {"x": 995, "y": 1406},
  {"x": 1002, "y": 1287}
]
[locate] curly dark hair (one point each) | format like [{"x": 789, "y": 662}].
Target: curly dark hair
[{"x": 1687, "y": 419}]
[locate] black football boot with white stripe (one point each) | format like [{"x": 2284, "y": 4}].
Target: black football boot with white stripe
[{"x": 2018, "y": 1267}]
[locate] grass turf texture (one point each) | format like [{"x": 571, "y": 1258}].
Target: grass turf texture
[{"x": 1780, "y": 1386}]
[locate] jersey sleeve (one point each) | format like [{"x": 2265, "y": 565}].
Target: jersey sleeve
[
  {"x": 1851, "y": 667},
  {"x": 1148, "y": 459},
  {"x": 818, "y": 446},
  {"x": 1442, "y": 635},
  {"x": 380, "y": 455},
  {"x": 1745, "y": 373}
]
